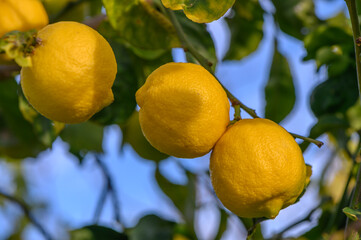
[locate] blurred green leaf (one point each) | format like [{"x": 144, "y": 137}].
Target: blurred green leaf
[
  {"x": 152, "y": 227},
  {"x": 141, "y": 27},
  {"x": 96, "y": 232},
  {"x": 222, "y": 227},
  {"x": 279, "y": 91},
  {"x": 336, "y": 94},
  {"x": 17, "y": 135},
  {"x": 330, "y": 36},
  {"x": 182, "y": 196},
  {"x": 83, "y": 137},
  {"x": 296, "y": 18},
  {"x": 246, "y": 26},
  {"x": 132, "y": 134}
]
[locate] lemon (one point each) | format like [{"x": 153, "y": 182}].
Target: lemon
[
  {"x": 257, "y": 168},
  {"x": 200, "y": 11},
  {"x": 72, "y": 72},
  {"x": 183, "y": 110},
  {"x": 132, "y": 134},
  {"x": 21, "y": 15}
]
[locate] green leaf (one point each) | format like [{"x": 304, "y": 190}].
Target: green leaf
[
  {"x": 83, "y": 137},
  {"x": 200, "y": 39},
  {"x": 95, "y": 232},
  {"x": 17, "y": 136},
  {"x": 336, "y": 94},
  {"x": 279, "y": 91},
  {"x": 222, "y": 224},
  {"x": 352, "y": 214},
  {"x": 152, "y": 227},
  {"x": 200, "y": 11},
  {"x": 132, "y": 134},
  {"x": 246, "y": 28},
  {"x": 183, "y": 197},
  {"x": 329, "y": 36},
  {"x": 295, "y": 17},
  {"x": 141, "y": 27},
  {"x": 124, "y": 88}
]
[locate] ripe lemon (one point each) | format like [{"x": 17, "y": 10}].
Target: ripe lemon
[
  {"x": 200, "y": 11},
  {"x": 72, "y": 72},
  {"x": 183, "y": 110},
  {"x": 257, "y": 168},
  {"x": 21, "y": 15}
]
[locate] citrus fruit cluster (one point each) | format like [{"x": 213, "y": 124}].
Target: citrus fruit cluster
[{"x": 256, "y": 166}]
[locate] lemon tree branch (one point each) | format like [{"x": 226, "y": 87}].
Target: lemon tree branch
[
  {"x": 187, "y": 46},
  {"x": 26, "y": 210},
  {"x": 108, "y": 188},
  {"x": 352, "y": 9}
]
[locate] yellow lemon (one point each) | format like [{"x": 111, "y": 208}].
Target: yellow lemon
[
  {"x": 21, "y": 15},
  {"x": 257, "y": 168},
  {"x": 200, "y": 11},
  {"x": 183, "y": 110},
  {"x": 72, "y": 72}
]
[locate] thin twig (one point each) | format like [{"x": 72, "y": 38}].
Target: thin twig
[
  {"x": 207, "y": 65},
  {"x": 108, "y": 188},
  {"x": 27, "y": 213},
  {"x": 308, "y": 218}
]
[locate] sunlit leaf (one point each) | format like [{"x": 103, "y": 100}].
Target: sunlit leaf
[
  {"x": 246, "y": 26},
  {"x": 141, "y": 27},
  {"x": 352, "y": 214},
  {"x": 280, "y": 91}
]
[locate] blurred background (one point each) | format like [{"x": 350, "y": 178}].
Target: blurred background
[{"x": 65, "y": 192}]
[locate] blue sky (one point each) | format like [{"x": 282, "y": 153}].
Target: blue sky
[{"x": 72, "y": 190}]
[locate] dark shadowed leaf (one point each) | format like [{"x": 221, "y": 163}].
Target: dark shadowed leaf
[
  {"x": 152, "y": 227},
  {"x": 96, "y": 232},
  {"x": 124, "y": 88},
  {"x": 83, "y": 137},
  {"x": 336, "y": 94},
  {"x": 280, "y": 91},
  {"x": 296, "y": 18},
  {"x": 200, "y": 39},
  {"x": 246, "y": 26},
  {"x": 132, "y": 134},
  {"x": 141, "y": 27},
  {"x": 17, "y": 136}
]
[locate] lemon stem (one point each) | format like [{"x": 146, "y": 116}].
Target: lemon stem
[
  {"x": 27, "y": 212},
  {"x": 236, "y": 103}
]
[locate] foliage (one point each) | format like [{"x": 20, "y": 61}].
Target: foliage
[{"x": 142, "y": 34}]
